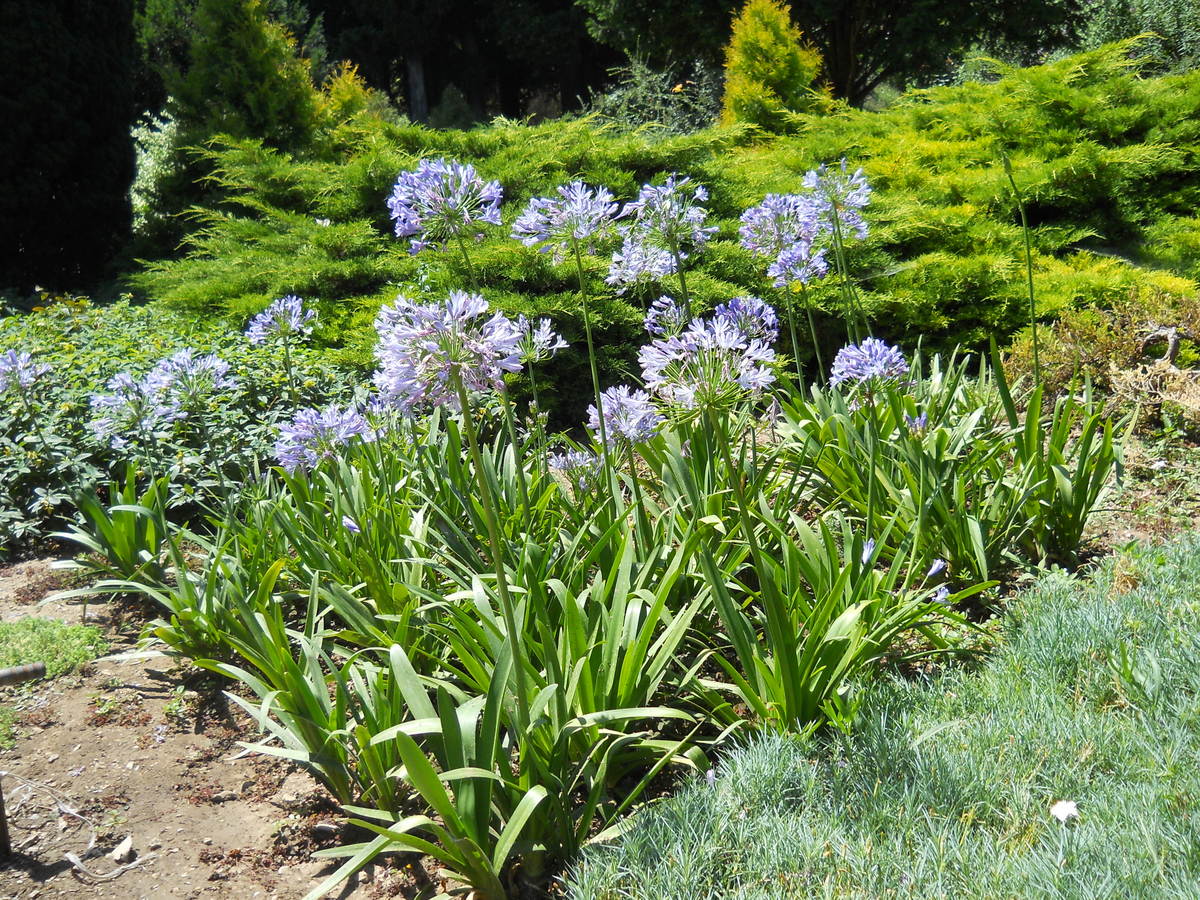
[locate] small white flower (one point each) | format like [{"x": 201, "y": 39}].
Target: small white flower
[{"x": 1064, "y": 810}]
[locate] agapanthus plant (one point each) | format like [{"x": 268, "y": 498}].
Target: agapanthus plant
[
  {"x": 630, "y": 416},
  {"x": 190, "y": 378},
  {"x": 868, "y": 363},
  {"x": 786, "y": 228},
  {"x": 839, "y": 196},
  {"x": 711, "y": 365},
  {"x": 134, "y": 410},
  {"x": 437, "y": 354},
  {"x": 19, "y": 372},
  {"x": 538, "y": 342},
  {"x": 575, "y": 220},
  {"x": 424, "y": 348},
  {"x": 285, "y": 318},
  {"x": 665, "y": 317},
  {"x": 317, "y": 434},
  {"x": 753, "y": 317},
  {"x": 668, "y": 223},
  {"x": 284, "y": 322},
  {"x": 581, "y": 468},
  {"x": 443, "y": 201}
]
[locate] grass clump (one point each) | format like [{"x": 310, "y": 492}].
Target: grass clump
[
  {"x": 60, "y": 646},
  {"x": 946, "y": 786}
]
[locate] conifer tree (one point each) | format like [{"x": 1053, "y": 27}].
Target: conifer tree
[
  {"x": 244, "y": 78},
  {"x": 769, "y": 73}
]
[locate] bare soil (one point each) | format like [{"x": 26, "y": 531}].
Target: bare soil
[{"x": 139, "y": 746}]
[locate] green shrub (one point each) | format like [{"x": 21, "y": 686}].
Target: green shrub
[
  {"x": 1104, "y": 157},
  {"x": 1171, "y": 28},
  {"x": 769, "y": 74},
  {"x": 676, "y": 100},
  {"x": 48, "y": 454}
]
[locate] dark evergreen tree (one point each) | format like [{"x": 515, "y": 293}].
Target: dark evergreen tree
[
  {"x": 66, "y": 158},
  {"x": 865, "y": 43}
]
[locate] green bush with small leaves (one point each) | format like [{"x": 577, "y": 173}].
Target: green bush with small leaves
[
  {"x": 49, "y": 455},
  {"x": 1105, "y": 158}
]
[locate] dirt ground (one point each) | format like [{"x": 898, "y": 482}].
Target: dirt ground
[{"x": 137, "y": 746}]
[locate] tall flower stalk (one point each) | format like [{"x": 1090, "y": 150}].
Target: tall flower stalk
[
  {"x": 437, "y": 355},
  {"x": 284, "y": 321},
  {"x": 574, "y": 221},
  {"x": 1033, "y": 329},
  {"x": 839, "y": 196},
  {"x": 786, "y": 228},
  {"x": 668, "y": 220},
  {"x": 20, "y": 374}
]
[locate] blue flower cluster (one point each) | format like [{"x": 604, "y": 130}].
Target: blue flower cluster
[
  {"x": 578, "y": 217},
  {"x": 629, "y": 416},
  {"x": 752, "y": 317},
  {"x": 135, "y": 409},
  {"x": 442, "y": 201},
  {"x": 538, "y": 342},
  {"x": 316, "y": 434},
  {"x": 668, "y": 221},
  {"x": 424, "y": 348},
  {"x": 872, "y": 360},
  {"x": 792, "y": 229},
  {"x": 580, "y": 467},
  {"x": 19, "y": 371},
  {"x": 665, "y": 317},
  {"x": 711, "y": 364},
  {"x": 191, "y": 378},
  {"x": 283, "y": 318}
]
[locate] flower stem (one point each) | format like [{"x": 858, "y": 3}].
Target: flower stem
[
  {"x": 494, "y": 546},
  {"x": 848, "y": 290},
  {"x": 812, "y": 330},
  {"x": 1037, "y": 365},
  {"x": 587, "y": 327},
  {"x": 683, "y": 288},
  {"x": 287, "y": 368},
  {"x": 462, "y": 246},
  {"x": 518, "y": 456}
]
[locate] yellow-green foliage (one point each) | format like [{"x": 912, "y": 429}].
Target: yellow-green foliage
[
  {"x": 1108, "y": 161},
  {"x": 769, "y": 73}
]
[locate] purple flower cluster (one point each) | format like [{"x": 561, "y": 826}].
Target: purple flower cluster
[
  {"x": 712, "y": 363},
  {"x": 423, "y": 348},
  {"x": 667, "y": 220},
  {"x": 134, "y": 409},
  {"x": 753, "y": 317},
  {"x": 191, "y": 378},
  {"x": 629, "y": 416},
  {"x": 869, "y": 361},
  {"x": 538, "y": 342},
  {"x": 580, "y": 215},
  {"x": 792, "y": 228},
  {"x": 840, "y": 196},
  {"x": 665, "y": 317},
  {"x": 786, "y": 227},
  {"x": 917, "y": 424},
  {"x": 441, "y": 201},
  {"x": 580, "y": 467},
  {"x": 18, "y": 370},
  {"x": 316, "y": 434},
  {"x": 285, "y": 317}
]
